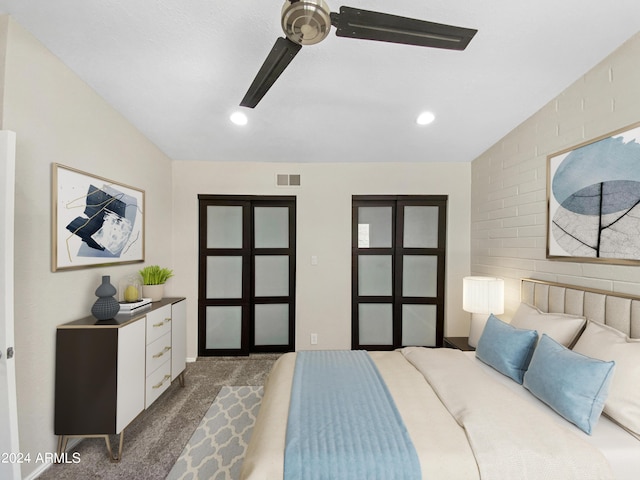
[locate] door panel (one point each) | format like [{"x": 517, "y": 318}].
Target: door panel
[
  {"x": 420, "y": 227},
  {"x": 419, "y": 275},
  {"x": 271, "y": 276},
  {"x": 375, "y": 227},
  {"x": 375, "y": 275},
  {"x": 224, "y": 226},
  {"x": 271, "y": 227},
  {"x": 223, "y": 328},
  {"x": 8, "y": 403},
  {"x": 419, "y": 325},
  {"x": 224, "y": 277},
  {"x": 271, "y": 324},
  {"x": 375, "y": 323}
]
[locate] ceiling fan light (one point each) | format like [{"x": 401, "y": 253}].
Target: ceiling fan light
[
  {"x": 425, "y": 118},
  {"x": 239, "y": 118}
]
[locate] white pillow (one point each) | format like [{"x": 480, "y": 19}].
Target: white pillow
[
  {"x": 606, "y": 343},
  {"x": 562, "y": 327}
]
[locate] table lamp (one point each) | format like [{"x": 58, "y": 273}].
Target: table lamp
[{"x": 481, "y": 296}]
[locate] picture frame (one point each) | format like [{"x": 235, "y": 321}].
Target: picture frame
[
  {"x": 593, "y": 200},
  {"x": 95, "y": 221}
]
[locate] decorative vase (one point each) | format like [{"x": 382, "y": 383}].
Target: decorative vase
[
  {"x": 106, "y": 307},
  {"x": 154, "y": 292}
]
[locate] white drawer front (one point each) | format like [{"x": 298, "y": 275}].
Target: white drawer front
[
  {"x": 158, "y": 352},
  {"x": 157, "y": 383},
  {"x": 158, "y": 323}
]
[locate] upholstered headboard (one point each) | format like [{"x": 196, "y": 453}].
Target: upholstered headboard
[{"x": 619, "y": 311}]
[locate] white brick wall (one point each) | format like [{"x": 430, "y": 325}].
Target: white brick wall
[{"x": 508, "y": 190}]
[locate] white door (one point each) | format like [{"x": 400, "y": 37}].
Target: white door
[{"x": 9, "y": 448}]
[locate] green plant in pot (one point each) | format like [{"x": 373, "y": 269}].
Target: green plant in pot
[{"x": 153, "y": 280}]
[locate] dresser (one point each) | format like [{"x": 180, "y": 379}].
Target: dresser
[{"x": 108, "y": 372}]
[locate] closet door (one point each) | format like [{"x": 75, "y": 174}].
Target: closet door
[
  {"x": 398, "y": 271},
  {"x": 247, "y": 275}
]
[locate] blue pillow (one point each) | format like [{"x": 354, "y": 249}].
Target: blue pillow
[
  {"x": 574, "y": 385},
  {"x": 506, "y": 348}
]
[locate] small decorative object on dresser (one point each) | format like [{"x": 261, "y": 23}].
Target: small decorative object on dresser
[
  {"x": 130, "y": 289},
  {"x": 106, "y": 307},
  {"x": 153, "y": 280}
]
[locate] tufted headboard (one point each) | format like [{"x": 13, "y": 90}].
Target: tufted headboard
[{"x": 619, "y": 311}]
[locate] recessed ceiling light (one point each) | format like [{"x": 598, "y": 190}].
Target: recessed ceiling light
[
  {"x": 425, "y": 118},
  {"x": 239, "y": 118}
]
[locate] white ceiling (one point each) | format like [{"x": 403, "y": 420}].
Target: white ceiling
[{"x": 178, "y": 68}]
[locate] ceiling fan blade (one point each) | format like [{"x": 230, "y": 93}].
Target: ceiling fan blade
[
  {"x": 355, "y": 23},
  {"x": 278, "y": 59}
]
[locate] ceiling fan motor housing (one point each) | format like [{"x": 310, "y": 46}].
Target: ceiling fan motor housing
[{"x": 306, "y": 21}]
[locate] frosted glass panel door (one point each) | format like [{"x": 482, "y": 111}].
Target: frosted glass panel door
[
  {"x": 398, "y": 259},
  {"x": 246, "y": 275}
]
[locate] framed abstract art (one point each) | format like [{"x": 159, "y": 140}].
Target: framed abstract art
[
  {"x": 593, "y": 194},
  {"x": 95, "y": 221}
]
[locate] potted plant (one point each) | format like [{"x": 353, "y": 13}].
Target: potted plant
[{"x": 153, "y": 280}]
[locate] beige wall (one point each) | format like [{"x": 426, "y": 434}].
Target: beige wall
[
  {"x": 58, "y": 118},
  {"x": 508, "y": 219},
  {"x": 323, "y": 292}
]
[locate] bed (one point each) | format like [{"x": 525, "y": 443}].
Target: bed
[{"x": 494, "y": 417}]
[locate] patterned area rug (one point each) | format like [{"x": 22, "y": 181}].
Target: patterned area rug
[{"x": 216, "y": 449}]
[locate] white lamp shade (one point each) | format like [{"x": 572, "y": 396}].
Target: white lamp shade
[{"x": 481, "y": 296}]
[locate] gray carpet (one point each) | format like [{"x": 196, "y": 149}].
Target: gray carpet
[{"x": 155, "y": 439}]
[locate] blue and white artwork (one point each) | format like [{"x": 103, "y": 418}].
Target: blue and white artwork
[
  {"x": 97, "y": 221},
  {"x": 594, "y": 200}
]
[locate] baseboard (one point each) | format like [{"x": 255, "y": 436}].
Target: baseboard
[{"x": 191, "y": 359}]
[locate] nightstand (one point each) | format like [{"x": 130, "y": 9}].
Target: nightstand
[{"x": 461, "y": 343}]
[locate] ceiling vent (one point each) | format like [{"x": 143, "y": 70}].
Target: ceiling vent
[{"x": 288, "y": 180}]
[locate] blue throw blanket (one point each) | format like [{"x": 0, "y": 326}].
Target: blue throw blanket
[{"x": 343, "y": 423}]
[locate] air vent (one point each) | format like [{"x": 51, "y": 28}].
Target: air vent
[{"x": 288, "y": 180}]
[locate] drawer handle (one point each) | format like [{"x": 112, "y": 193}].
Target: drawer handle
[
  {"x": 166, "y": 377},
  {"x": 161, "y": 324},
  {"x": 159, "y": 354}
]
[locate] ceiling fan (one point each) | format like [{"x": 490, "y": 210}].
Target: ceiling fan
[{"x": 306, "y": 22}]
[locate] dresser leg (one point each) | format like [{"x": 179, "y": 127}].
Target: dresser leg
[
  {"x": 115, "y": 458},
  {"x": 62, "y": 445},
  {"x": 63, "y": 439},
  {"x": 181, "y": 379}
]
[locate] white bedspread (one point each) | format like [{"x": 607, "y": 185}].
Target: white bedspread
[
  {"x": 510, "y": 439},
  {"x": 495, "y": 447}
]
